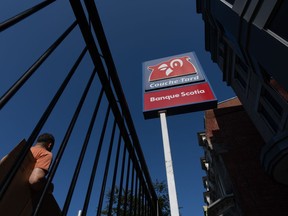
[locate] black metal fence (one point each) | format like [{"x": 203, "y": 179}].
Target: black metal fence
[{"x": 105, "y": 173}]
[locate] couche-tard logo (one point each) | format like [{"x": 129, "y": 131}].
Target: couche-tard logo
[{"x": 174, "y": 67}]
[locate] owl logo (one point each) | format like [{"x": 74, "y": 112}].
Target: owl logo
[{"x": 175, "y": 67}]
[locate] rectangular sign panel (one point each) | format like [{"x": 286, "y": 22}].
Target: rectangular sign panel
[
  {"x": 178, "y": 100},
  {"x": 175, "y": 85}
]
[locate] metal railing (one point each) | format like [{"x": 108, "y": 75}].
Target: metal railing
[{"x": 117, "y": 180}]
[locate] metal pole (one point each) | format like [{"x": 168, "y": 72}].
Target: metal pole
[
  {"x": 79, "y": 213},
  {"x": 169, "y": 167}
]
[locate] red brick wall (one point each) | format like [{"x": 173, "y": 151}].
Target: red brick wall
[{"x": 230, "y": 128}]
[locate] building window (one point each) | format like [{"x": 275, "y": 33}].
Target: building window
[
  {"x": 265, "y": 114},
  {"x": 241, "y": 72},
  {"x": 240, "y": 79},
  {"x": 272, "y": 101},
  {"x": 221, "y": 52},
  {"x": 279, "y": 89},
  {"x": 278, "y": 20},
  {"x": 221, "y": 46},
  {"x": 269, "y": 80},
  {"x": 242, "y": 65}
]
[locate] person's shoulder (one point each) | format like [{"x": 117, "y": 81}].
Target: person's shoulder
[
  {"x": 33, "y": 148},
  {"x": 40, "y": 149},
  {"x": 36, "y": 148}
]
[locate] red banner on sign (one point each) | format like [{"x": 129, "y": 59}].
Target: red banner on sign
[{"x": 163, "y": 99}]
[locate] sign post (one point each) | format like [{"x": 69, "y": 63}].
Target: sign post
[
  {"x": 169, "y": 167},
  {"x": 174, "y": 85}
]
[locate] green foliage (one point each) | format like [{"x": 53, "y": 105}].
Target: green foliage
[
  {"x": 163, "y": 197},
  {"x": 125, "y": 203}
]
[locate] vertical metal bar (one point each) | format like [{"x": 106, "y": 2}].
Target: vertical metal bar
[
  {"x": 148, "y": 200},
  {"x": 95, "y": 164},
  {"x": 5, "y": 183},
  {"x": 104, "y": 181},
  {"x": 20, "y": 82},
  {"x": 79, "y": 213},
  {"x": 169, "y": 167},
  {"x": 141, "y": 196},
  {"x": 144, "y": 198},
  {"x": 158, "y": 208},
  {"x": 143, "y": 202},
  {"x": 126, "y": 191},
  {"x": 150, "y": 211},
  {"x": 146, "y": 207},
  {"x": 121, "y": 182},
  {"x": 139, "y": 200},
  {"x": 136, "y": 198},
  {"x": 81, "y": 157},
  {"x": 8, "y": 23},
  {"x": 131, "y": 191},
  {"x": 114, "y": 176},
  {"x": 65, "y": 141}
]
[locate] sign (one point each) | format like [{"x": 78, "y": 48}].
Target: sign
[
  {"x": 176, "y": 85},
  {"x": 171, "y": 71}
]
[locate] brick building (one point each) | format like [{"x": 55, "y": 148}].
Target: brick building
[
  {"x": 236, "y": 183},
  {"x": 249, "y": 42}
]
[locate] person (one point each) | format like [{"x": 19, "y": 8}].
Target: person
[{"x": 41, "y": 151}]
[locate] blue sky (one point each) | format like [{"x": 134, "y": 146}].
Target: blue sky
[{"x": 137, "y": 31}]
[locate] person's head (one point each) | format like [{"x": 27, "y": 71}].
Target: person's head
[{"x": 46, "y": 140}]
